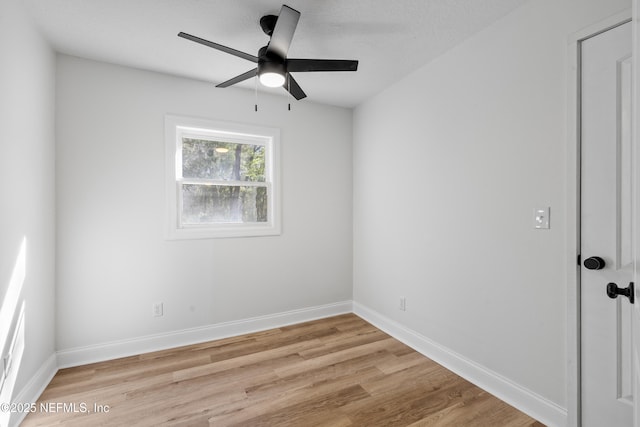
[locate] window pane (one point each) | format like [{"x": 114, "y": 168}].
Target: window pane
[
  {"x": 211, "y": 204},
  {"x": 222, "y": 160}
]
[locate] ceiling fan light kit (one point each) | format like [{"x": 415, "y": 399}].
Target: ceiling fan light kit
[
  {"x": 273, "y": 67},
  {"x": 271, "y": 79},
  {"x": 271, "y": 73}
]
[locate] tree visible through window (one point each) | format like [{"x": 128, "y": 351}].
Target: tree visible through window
[
  {"x": 228, "y": 182},
  {"x": 223, "y": 179}
]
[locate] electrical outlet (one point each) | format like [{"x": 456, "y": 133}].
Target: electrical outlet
[
  {"x": 403, "y": 304},
  {"x": 157, "y": 309}
]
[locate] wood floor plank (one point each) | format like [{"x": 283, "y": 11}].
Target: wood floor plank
[
  {"x": 335, "y": 357},
  {"x": 344, "y": 340},
  {"x": 242, "y": 361},
  {"x": 296, "y": 394},
  {"x": 334, "y": 372},
  {"x": 403, "y": 405},
  {"x": 307, "y": 412},
  {"x": 403, "y": 362}
]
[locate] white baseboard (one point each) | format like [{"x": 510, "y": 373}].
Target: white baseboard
[
  {"x": 517, "y": 396},
  {"x": 34, "y": 388},
  {"x": 130, "y": 347}
]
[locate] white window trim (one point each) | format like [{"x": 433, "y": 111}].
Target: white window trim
[{"x": 178, "y": 126}]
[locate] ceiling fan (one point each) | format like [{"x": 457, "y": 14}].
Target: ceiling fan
[{"x": 274, "y": 68}]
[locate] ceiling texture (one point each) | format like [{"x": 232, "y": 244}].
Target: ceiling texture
[{"x": 389, "y": 38}]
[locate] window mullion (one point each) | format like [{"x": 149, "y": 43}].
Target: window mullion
[{"x": 203, "y": 181}]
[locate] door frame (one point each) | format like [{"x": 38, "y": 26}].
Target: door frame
[{"x": 572, "y": 207}]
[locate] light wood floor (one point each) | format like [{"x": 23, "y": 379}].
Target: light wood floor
[{"x": 339, "y": 371}]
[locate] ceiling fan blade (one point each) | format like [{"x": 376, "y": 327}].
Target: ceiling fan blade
[
  {"x": 302, "y": 65},
  {"x": 237, "y": 79},
  {"x": 283, "y": 31},
  {"x": 294, "y": 88},
  {"x": 220, "y": 47}
]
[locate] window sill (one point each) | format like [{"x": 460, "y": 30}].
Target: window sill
[{"x": 222, "y": 232}]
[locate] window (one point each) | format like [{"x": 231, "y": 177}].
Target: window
[{"x": 221, "y": 179}]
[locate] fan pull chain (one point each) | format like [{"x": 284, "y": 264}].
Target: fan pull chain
[
  {"x": 289, "y": 91},
  {"x": 256, "y": 91}
]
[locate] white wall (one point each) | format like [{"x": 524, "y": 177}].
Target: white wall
[
  {"x": 113, "y": 260},
  {"x": 449, "y": 164},
  {"x": 27, "y": 160}
]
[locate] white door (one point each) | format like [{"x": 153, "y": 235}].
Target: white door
[
  {"x": 607, "y": 198},
  {"x": 636, "y": 213}
]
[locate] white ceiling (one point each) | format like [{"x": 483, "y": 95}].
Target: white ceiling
[{"x": 389, "y": 38}]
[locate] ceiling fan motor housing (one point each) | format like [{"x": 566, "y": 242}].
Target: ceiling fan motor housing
[{"x": 270, "y": 63}]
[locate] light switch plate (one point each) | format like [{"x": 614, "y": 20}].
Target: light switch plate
[{"x": 541, "y": 218}]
